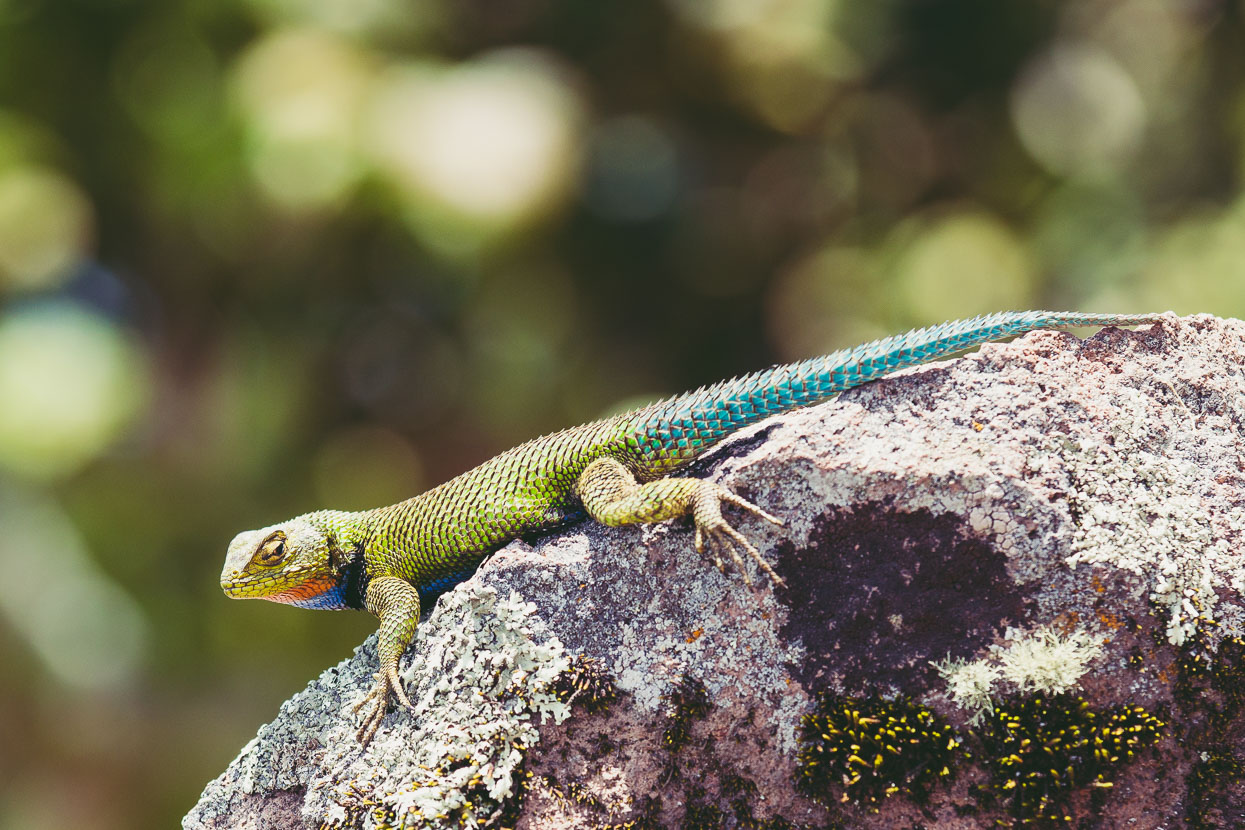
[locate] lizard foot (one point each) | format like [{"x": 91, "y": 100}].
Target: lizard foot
[
  {"x": 713, "y": 531},
  {"x": 376, "y": 703}
]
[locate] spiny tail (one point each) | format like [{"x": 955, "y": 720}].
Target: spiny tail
[{"x": 674, "y": 431}]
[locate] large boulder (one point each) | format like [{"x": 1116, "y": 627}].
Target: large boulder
[{"x": 1013, "y": 594}]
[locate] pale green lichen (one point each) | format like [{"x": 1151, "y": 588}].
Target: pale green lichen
[
  {"x": 1147, "y": 513},
  {"x": 478, "y": 683},
  {"x": 1045, "y": 662},
  {"x": 970, "y": 684},
  {"x": 1037, "y": 662}
]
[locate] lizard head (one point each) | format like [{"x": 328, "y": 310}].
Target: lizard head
[{"x": 298, "y": 562}]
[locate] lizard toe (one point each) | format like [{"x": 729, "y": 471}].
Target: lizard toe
[
  {"x": 374, "y": 705},
  {"x": 721, "y": 537},
  {"x": 371, "y": 723},
  {"x": 395, "y": 684},
  {"x": 740, "y": 501}
]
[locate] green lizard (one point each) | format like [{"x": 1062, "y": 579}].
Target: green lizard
[{"x": 616, "y": 470}]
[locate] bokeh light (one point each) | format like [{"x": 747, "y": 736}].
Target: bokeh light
[
  {"x": 1078, "y": 111},
  {"x": 964, "y": 263},
  {"x": 169, "y": 80},
  {"x": 45, "y": 227},
  {"x": 1200, "y": 261},
  {"x": 301, "y": 93},
  {"x": 381, "y": 18},
  {"x": 634, "y": 174},
  {"x": 71, "y": 382},
  {"x": 83, "y": 628},
  {"x": 478, "y": 149},
  {"x": 820, "y": 302},
  {"x": 785, "y": 58}
]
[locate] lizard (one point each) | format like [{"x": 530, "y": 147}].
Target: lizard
[{"x": 391, "y": 561}]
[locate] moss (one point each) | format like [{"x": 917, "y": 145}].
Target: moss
[
  {"x": 700, "y": 815},
  {"x": 688, "y": 701},
  {"x": 1219, "y": 669},
  {"x": 586, "y": 684},
  {"x": 865, "y": 750},
  {"x": 577, "y": 793},
  {"x": 1041, "y": 749},
  {"x": 648, "y": 817},
  {"x": 1218, "y": 772},
  {"x": 1210, "y": 686}
]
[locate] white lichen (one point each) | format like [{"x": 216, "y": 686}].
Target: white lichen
[
  {"x": 1038, "y": 662},
  {"x": 1046, "y": 662},
  {"x": 970, "y": 684},
  {"x": 479, "y": 683},
  {"x": 1146, "y": 513}
]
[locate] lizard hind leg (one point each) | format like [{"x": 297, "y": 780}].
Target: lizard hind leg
[{"x": 612, "y": 496}]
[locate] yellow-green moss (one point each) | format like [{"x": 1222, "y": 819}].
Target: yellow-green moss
[
  {"x": 1040, "y": 749},
  {"x": 587, "y": 684},
  {"x": 865, "y": 750},
  {"x": 688, "y": 701},
  {"x": 1211, "y": 683}
]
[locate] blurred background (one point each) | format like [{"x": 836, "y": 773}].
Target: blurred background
[{"x": 260, "y": 257}]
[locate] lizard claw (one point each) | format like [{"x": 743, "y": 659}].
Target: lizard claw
[
  {"x": 376, "y": 703},
  {"x": 712, "y": 550},
  {"x": 713, "y": 529}
]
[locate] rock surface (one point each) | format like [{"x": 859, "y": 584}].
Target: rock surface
[{"x": 1023, "y": 563}]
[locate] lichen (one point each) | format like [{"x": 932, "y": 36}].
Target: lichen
[
  {"x": 473, "y": 721},
  {"x": 864, "y": 750},
  {"x": 1146, "y": 513},
  {"x": 1046, "y": 662},
  {"x": 970, "y": 684},
  {"x": 1041, "y": 662}
]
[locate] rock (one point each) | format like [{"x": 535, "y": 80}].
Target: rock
[{"x": 1013, "y": 593}]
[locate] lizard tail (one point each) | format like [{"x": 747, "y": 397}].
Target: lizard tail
[{"x": 677, "y": 430}]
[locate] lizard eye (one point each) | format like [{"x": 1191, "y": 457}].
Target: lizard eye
[{"x": 273, "y": 549}]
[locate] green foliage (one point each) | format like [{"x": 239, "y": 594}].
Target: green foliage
[{"x": 867, "y": 749}]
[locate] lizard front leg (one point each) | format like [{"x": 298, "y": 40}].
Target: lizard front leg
[
  {"x": 396, "y": 602},
  {"x": 612, "y": 496}
]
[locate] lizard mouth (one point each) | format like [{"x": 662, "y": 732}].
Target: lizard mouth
[{"x": 234, "y": 586}]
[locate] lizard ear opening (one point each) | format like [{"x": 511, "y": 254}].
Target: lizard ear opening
[{"x": 272, "y": 551}]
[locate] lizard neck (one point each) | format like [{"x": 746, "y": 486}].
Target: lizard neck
[
  {"x": 354, "y": 577},
  {"x": 345, "y": 542}
]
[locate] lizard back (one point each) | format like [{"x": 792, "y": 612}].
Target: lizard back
[{"x": 438, "y": 538}]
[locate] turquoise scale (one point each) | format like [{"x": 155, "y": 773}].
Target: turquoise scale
[{"x": 678, "y": 429}]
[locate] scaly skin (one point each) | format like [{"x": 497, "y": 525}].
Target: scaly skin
[{"x": 616, "y": 470}]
